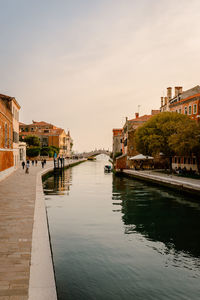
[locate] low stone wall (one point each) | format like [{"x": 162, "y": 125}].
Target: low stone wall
[{"x": 185, "y": 185}]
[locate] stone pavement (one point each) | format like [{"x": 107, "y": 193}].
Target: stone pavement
[{"x": 17, "y": 201}]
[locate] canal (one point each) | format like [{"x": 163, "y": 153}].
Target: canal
[{"x": 117, "y": 238}]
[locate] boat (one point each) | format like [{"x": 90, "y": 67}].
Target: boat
[
  {"x": 107, "y": 168},
  {"x": 91, "y": 158}
]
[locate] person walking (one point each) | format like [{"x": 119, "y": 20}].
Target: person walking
[
  {"x": 36, "y": 162},
  {"x": 45, "y": 161},
  {"x": 23, "y": 165},
  {"x": 27, "y": 167},
  {"x": 32, "y": 162},
  {"x": 42, "y": 163}
]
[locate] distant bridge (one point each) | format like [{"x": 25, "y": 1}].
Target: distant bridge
[{"x": 95, "y": 153}]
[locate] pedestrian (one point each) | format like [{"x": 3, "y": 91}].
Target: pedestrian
[
  {"x": 23, "y": 165},
  {"x": 42, "y": 163},
  {"x": 32, "y": 162},
  {"x": 27, "y": 167},
  {"x": 45, "y": 161},
  {"x": 36, "y": 162}
]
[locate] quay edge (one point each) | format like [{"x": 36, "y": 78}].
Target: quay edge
[
  {"x": 42, "y": 283},
  {"x": 169, "y": 182}
]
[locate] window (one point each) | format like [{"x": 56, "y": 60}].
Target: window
[
  {"x": 185, "y": 160},
  {"x": 9, "y": 136},
  {"x": 6, "y": 136},
  {"x": 46, "y": 131},
  {"x": 32, "y": 129},
  {"x": 185, "y": 110},
  {"x": 179, "y": 111},
  {"x": 175, "y": 160},
  {"x": 190, "y": 110},
  {"x": 194, "y": 161},
  {"x": 194, "y": 109},
  {"x": 179, "y": 160},
  {"x": 189, "y": 161}
]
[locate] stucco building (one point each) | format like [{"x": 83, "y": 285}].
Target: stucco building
[
  {"x": 128, "y": 138},
  {"x": 117, "y": 141},
  {"x": 6, "y": 137},
  {"x": 49, "y": 135}
]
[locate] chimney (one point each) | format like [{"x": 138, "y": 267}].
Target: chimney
[
  {"x": 169, "y": 93},
  {"x": 178, "y": 90},
  {"x": 136, "y": 115},
  {"x": 161, "y": 101},
  {"x": 166, "y": 98}
]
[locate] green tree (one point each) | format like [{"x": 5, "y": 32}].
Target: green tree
[
  {"x": 33, "y": 151},
  {"x": 158, "y": 134},
  {"x": 32, "y": 140},
  {"x": 186, "y": 141}
]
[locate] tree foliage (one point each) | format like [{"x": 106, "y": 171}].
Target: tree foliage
[
  {"x": 32, "y": 140},
  {"x": 33, "y": 151},
  {"x": 169, "y": 133}
]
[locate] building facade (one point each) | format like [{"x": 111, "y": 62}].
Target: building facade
[
  {"x": 128, "y": 138},
  {"x": 6, "y": 137},
  {"x": 49, "y": 135},
  {"x": 117, "y": 141},
  {"x": 187, "y": 103}
]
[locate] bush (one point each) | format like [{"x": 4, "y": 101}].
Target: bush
[{"x": 33, "y": 152}]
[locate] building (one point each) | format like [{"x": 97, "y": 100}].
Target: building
[
  {"x": 187, "y": 103},
  {"x": 128, "y": 138},
  {"x": 6, "y": 137},
  {"x": 49, "y": 135},
  {"x": 117, "y": 141},
  {"x": 183, "y": 102},
  {"x": 15, "y": 107}
]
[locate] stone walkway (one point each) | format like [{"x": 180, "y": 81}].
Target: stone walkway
[{"x": 17, "y": 201}]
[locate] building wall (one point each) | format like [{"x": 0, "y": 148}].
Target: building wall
[
  {"x": 15, "y": 114},
  {"x": 121, "y": 162},
  {"x": 190, "y": 106},
  {"x": 6, "y": 136}
]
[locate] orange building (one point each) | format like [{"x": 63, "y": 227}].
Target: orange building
[
  {"x": 6, "y": 137},
  {"x": 49, "y": 135},
  {"x": 187, "y": 103},
  {"x": 183, "y": 102}
]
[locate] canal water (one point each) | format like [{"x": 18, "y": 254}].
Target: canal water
[{"x": 118, "y": 238}]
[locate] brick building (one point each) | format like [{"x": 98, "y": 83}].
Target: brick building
[
  {"x": 6, "y": 137},
  {"x": 49, "y": 135}
]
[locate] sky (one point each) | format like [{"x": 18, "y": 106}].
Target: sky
[{"x": 86, "y": 65}]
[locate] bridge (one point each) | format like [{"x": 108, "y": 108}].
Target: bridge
[{"x": 94, "y": 153}]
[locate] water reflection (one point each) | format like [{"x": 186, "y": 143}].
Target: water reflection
[
  {"x": 58, "y": 184},
  {"x": 158, "y": 215}
]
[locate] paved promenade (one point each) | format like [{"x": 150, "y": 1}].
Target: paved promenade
[
  {"x": 181, "y": 183},
  {"x": 17, "y": 204}
]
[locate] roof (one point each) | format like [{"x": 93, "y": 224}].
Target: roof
[
  {"x": 9, "y": 98},
  {"x": 141, "y": 119},
  {"x": 193, "y": 91}
]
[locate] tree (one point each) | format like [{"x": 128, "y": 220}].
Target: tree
[
  {"x": 160, "y": 133},
  {"x": 186, "y": 141},
  {"x": 32, "y": 140},
  {"x": 33, "y": 151}
]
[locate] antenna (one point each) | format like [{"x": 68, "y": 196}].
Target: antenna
[{"x": 139, "y": 109}]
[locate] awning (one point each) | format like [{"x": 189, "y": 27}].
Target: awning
[{"x": 141, "y": 157}]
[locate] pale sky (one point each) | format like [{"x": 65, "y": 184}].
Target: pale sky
[{"x": 85, "y": 65}]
